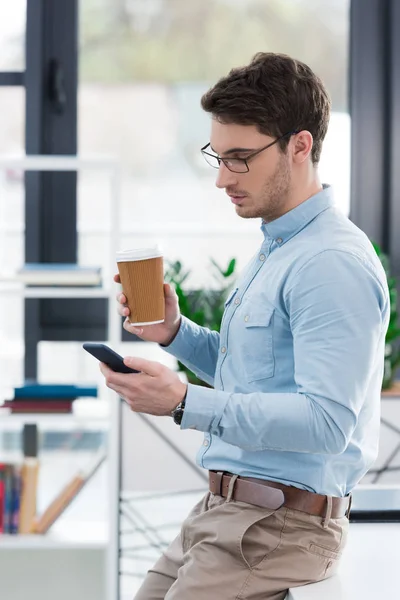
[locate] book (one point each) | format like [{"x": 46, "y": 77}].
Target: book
[
  {"x": 54, "y": 399},
  {"x": 29, "y": 482},
  {"x": 8, "y": 498},
  {"x": 29, "y": 478},
  {"x": 2, "y": 495},
  {"x": 55, "y": 509},
  {"x": 34, "y": 405},
  {"x": 16, "y": 498},
  {"x": 10, "y": 493},
  {"x": 49, "y": 274},
  {"x": 43, "y": 390}
]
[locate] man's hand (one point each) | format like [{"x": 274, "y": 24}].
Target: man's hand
[
  {"x": 162, "y": 333},
  {"x": 156, "y": 390}
]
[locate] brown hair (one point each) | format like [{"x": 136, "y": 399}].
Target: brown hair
[{"x": 277, "y": 94}]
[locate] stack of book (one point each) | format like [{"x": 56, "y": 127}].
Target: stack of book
[
  {"x": 10, "y": 497},
  {"x": 19, "y": 486},
  {"x": 50, "y": 274},
  {"x": 33, "y": 397}
]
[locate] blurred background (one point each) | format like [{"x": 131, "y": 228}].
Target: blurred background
[{"x": 123, "y": 79}]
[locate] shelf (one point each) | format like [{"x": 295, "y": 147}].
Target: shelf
[
  {"x": 71, "y": 536},
  {"x": 57, "y": 163},
  {"x": 60, "y": 422},
  {"x": 53, "y": 292},
  {"x": 47, "y": 542}
]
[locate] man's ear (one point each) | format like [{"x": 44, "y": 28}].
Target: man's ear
[{"x": 301, "y": 145}]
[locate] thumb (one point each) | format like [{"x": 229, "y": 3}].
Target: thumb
[
  {"x": 169, "y": 290},
  {"x": 150, "y": 367}
]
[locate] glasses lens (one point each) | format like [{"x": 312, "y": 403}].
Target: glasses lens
[
  {"x": 236, "y": 165},
  {"x": 211, "y": 159}
]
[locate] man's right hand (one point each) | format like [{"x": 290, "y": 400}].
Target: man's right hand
[{"x": 162, "y": 333}]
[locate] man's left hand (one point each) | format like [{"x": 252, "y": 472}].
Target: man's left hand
[{"x": 156, "y": 390}]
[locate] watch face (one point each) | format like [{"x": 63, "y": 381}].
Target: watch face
[{"x": 178, "y": 414}]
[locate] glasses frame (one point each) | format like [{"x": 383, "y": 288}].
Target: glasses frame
[{"x": 242, "y": 160}]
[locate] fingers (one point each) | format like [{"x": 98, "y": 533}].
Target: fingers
[
  {"x": 123, "y": 309},
  {"x": 131, "y": 328},
  {"x": 150, "y": 367},
  {"x": 115, "y": 381},
  {"x": 121, "y": 298},
  {"x": 169, "y": 290}
]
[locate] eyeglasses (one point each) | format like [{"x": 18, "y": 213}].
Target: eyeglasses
[{"x": 237, "y": 165}]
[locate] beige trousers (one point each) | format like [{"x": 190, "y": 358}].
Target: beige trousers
[{"x": 236, "y": 551}]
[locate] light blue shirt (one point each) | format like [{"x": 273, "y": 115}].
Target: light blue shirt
[{"x": 297, "y": 366}]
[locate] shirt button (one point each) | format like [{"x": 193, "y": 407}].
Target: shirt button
[
  {"x": 237, "y": 300},
  {"x": 205, "y": 443},
  {"x": 262, "y": 257},
  {"x": 279, "y": 240},
  {"x": 246, "y": 318},
  {"x": 223, "y": 349}
]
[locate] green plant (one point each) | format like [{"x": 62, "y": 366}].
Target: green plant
[
  {"x": 392, "y": 352},
  {"x": 203, "y": 306}
]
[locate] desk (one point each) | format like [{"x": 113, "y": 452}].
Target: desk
[
  {"x": 391, "y": 394},
  {"x": 369, "y": 569}
]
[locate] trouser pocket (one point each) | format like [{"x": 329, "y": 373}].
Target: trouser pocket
[{"x": 261, "y": 536}]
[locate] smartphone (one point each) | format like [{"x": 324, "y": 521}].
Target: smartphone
[{"x": 104, "y": 354}]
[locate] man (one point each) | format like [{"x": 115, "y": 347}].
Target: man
[{"x": 291, "y": 424}]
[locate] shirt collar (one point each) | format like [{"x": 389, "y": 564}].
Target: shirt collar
[{"x": 286, "y": 226}]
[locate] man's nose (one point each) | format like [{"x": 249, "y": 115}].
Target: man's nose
[{"x": 225, "y": 177}]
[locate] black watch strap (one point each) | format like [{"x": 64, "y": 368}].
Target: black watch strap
[{"x": 177, "y": 413}]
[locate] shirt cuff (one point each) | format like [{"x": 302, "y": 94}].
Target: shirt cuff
[
  {"x": 180, "y": 345},
  {"x": 204, "y": 408}
]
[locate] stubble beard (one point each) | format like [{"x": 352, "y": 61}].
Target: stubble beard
[{"x": 273, "y": 197}]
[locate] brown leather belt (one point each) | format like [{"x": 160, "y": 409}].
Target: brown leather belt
[{"x": 273, "y": 495}]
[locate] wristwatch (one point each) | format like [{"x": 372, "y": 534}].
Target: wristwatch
[{"x": 177, "y": 413}]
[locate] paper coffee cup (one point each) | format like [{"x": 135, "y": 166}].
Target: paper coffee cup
[{"x": 141, "y": 271}]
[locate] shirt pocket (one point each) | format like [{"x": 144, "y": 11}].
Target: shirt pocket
[{"x": 259, "y": 359}]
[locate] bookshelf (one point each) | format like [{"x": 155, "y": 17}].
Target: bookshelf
[
  {"x": 58, "y": 422},
  {"x": 53, "y": 542},
  {"x": 49, "y": 292},
  {"x": 61, "y": 564},
  {"x": 110, "y": 540}
]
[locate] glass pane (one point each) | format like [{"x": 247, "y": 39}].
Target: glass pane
[
  {"x": 12, "y": 35},
  {"x": 142, "y": 67},
  {"x": 12, "y": 227}
]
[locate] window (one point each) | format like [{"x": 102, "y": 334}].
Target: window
[
  {"x": 12, "y": 35},
  {"x": 143, "y": 68}
]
